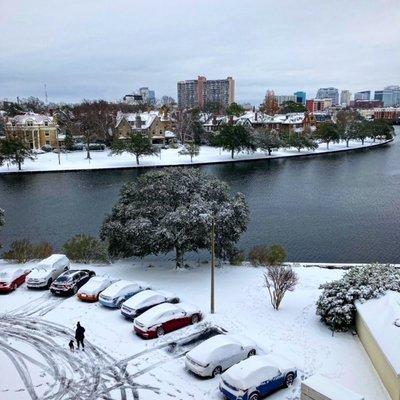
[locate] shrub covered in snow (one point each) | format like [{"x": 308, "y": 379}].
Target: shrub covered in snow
[
  {"x": 85, "y": 249},
  {"x": 23, "y": 250},
  {"x": 336, "y": 306}
]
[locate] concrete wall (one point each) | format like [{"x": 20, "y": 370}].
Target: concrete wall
[{"x": 384, "y": 369}]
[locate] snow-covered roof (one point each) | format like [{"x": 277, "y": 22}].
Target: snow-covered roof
[
  {"x": 53, "y": 259},
  {"x": 144, "y": 298},
  {"x": 169, "y": 134},
  {"x": 37, "y": 119},
  {"x": 215, "y": 348},
  {"x": 380, "y": 315},
  {"x": 147, "y": 118},
  {"x": 7, "y": 275},
  {"x": 329, "y": 389},
  {"x": 261, "y": 118},
  {"x": 250, "y": 372},
  {"x": 117, "y": 287}
]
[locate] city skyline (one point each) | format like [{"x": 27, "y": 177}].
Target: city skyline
[{"x": 137, "y": 45}]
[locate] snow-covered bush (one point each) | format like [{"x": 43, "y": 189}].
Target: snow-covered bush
[
  {"x": 336, "y": 306},
  {"x": 85, "y": 249},
  {"x": 23, "y": 250}
]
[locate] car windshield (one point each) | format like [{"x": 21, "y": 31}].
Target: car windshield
[{"x": 64, "y": 278}]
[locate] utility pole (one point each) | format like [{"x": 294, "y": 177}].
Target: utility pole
[{"x": 212, "y": 302}]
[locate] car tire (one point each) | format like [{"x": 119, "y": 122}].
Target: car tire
[
  {"x": 160, "y": 331},
  {"x": 217, "y": 371},
  {"x": 49, "y": 282},
  {"x": 252, "y": 352},
  {"x": 289, "y": 379},
  {"x": 14, "y": 286},
  {"x": 254, "y": 396},
  {"x": 195, "y": 319},
  {"x": 75, "y": 289}
]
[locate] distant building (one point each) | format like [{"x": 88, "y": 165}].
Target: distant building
[
  {"x": 198, "y": 92},
  {"x": 329, "y": 93},
  {"x": 366, "y": 104},
  {"x": 36, "y": 129},
  {"x": 167, "y": 101},
  {"x": 315, "y": 105},
  {"x": 157, "y": 127},
  {"x": 300, "y": 97},
  {"x": 391, "y": 96},
  {"x": 378, "y": 95},
  {"x": 345, "y": 97},
  {"x": 284, "y": 98},
  {"x": 364, "y": 95},
  {"x": 142, "y": 96}
]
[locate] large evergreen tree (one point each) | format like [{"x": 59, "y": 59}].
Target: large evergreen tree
[
  {"x": 267, "y": 139},
  {"x": 14, "y": 149},
  {"x": 234, "y": 138},
  {"x": 165, "y": 211},
  {"x": 137, "y": 144},
  {"x": 327, "y": 133}
]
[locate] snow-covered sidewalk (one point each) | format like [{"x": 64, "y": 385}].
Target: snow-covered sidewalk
[
  {"x": 242, "y": 306},
  {"x": 75, "y": 161}
]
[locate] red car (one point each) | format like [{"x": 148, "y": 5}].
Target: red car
[
  {"x": 11, "y": 278},
  {"x": 165, "y": 318}
]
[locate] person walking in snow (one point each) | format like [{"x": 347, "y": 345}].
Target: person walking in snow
[{"x": 80, "y": 335}]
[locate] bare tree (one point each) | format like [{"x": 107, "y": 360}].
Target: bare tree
[{"x": 279, "y": 279}]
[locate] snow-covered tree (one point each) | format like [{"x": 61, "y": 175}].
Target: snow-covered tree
[
  {"x": 165, "y": 210},
  {"x": 336, "y": 306}
]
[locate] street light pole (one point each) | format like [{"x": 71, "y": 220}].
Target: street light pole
[{"x": 212, "y": 302}]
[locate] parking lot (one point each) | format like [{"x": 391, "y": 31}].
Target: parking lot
[{"x": 36, "y": 327}]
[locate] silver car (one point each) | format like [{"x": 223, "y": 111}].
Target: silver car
[{"x": 219, "y": 353}]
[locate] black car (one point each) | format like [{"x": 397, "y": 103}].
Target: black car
[{"x": 70, "y": 281}]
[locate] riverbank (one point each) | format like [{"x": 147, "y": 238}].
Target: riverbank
[{"x": 102, "y": 160}]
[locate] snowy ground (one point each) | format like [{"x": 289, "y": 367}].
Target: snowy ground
[
  {"x": 35, "y": 328},
  {"x": 103, "y": 159}
]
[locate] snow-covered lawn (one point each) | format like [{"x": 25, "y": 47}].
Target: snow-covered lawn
[
  {"x": 38, "y": 327},
  {"x": 103, "y": 159}
]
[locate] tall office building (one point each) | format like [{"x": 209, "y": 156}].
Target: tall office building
[
  {"x": 300, "y": 97},
  {"x": 364, "y": 95},
  {"x": 378, "y": 95},
  {"x": 391, "y": 96},
  {"x": 329, "y": 93},
  {"x": 199, "y": 92},
  {"x": 345, "y": 97},
  {"x": 284, "y": 98}
]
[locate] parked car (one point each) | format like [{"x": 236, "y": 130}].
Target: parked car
[
  {"x": 165, "y": 318},
  {"x": 69, "y": 282},
  {"x": 11, "y": 278},
  {"x": 257, "y": 377},
  {"x": 49, "y": 269},
  {"x": 218, "y": 353},
  {"x": 120, "y": 291},
  {"x": 143, "y": 301},
  {"x": 91, "y": 290}
]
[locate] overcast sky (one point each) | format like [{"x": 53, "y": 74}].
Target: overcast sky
[{"x": 104, "y": 49}]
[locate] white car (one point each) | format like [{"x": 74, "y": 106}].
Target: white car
[
  {"x": 120, "y": 291},
  {"x": 215, "y": 355},
  {"x": 257, "y": 377},
  {"x": 166, "y": 318},
  {"x": 91, "y": 290},
  {"x": 143, "y": 301},
  {"x": 48, "y": 270}
]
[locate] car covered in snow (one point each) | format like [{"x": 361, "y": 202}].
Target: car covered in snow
[
  {"x": 11, "y": 278},
  {"x": 49, "y": 269},
  {"x": 218, "y": 353},
  {"x": 69, "y": 282},
  {"x": 143, "y": 301},
  {"x": 165, "y": 318},
  {"x": 257, "y": 377},
  {"x": 120, "y": 291},
  {"x": 91, "y": 290}
]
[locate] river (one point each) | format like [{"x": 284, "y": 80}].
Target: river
[{"x": 331, "y": 208}]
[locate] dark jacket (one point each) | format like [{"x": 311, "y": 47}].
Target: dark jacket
[{"x": 80, "y": 332}]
